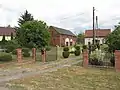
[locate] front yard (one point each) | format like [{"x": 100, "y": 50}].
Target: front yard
[{"x": 72, "y": 78}]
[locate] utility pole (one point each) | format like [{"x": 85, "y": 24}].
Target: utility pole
[
  {"x": 93, "y": 26},
  {"x": 96, "y": 28}
]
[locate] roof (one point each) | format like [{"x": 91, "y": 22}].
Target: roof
[
  {"x": 98, "y": 33},
  {"x": 63, "y": 31},
  {"x": 6, "y": 31}
]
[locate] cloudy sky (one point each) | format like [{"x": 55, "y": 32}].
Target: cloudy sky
[{"x": 75, "y": 15}]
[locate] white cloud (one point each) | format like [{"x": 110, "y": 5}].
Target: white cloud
[{"x": 62, "y": 13}]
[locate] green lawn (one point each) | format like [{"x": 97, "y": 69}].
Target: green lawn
[{"x": 72, "y": 78}]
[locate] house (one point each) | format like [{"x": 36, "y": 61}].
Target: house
[
  {"x": 61, "y": 37},
  {"x": 100, "y": 35},
  {"x": 7, "y": 31}
]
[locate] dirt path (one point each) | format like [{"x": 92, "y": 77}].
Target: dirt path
[{"x": 38, "y": 68}]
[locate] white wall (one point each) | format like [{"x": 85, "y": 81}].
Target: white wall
[
  {"x": 90, "y": 40},
  {"x": 6, "y": 38}
]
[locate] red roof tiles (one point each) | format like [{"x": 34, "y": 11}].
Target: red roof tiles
[
  {"x": 98, "y": 33},
  {"x": 6, "y": 31}
]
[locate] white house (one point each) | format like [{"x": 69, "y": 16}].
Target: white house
[
  {"x": 100, "y": 35},
  {"x": 7, "y": 31}
]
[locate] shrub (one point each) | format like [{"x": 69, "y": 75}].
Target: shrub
[
  {"x": 66, "y": 49},
  {"x": 10, "y": 48},
  {"x": 48, "y": 48},
  {"x": 26, "y": 50},
  {"x": 84, "y": 46},
  {"x": 77, "y": 47},
  {"x": 14, "y": 52},
  {"x": 104, "y": 47},
  {"x": 5, "y": 57},
  {"x": 77, "y": 52},
  {"x": 65, "y": 54},
  {"x": 26, "y": 54},
  {"x": 112, "y": 60}
]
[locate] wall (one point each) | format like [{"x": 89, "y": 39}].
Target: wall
[
  {"x": 90, "y": 40},
  {"x": 55, "y": 37},
  {"x": 6, "y": 38},
  {"x": 67, "y": 36}
]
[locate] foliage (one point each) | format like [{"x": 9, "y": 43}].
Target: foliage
[
  {"x": 11, "y": 45},
  {"x": 26, "y": 54},
  {"x": 14, "y": 52},
  {"x": 66, "y": 49},
  {"x": 84, "y": 47},
  {"x": 77, "y": 47},
  {"x": 113, "y": 39},
  {"x": 24, "y": 18},
  {"x": 66, "y": 54},
  {"x": 11, "y": 36},
  {"x": 77, "y": 52},
  {"x": 25, "y": 49},
  {"x": 104, "y": 47},
  {"x": 72, "y": 50},
  {"x": 33, "y": 34},
  {"x": 112, "y": 60},
  {"x": 48, "y": 48},
  {"x": 3, "y": 39},
  {"x": 5, "y": 57},
  {"x": 80, "y": 38}
]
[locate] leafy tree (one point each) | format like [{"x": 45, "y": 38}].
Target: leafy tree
[
  {"x": 80, "y": 38},
  {"x": 3, "y": 39},
  {"x": 33, "y": 34},
  {"x": 11, "y": 36},
  {"x": 25, "y": 17},
  {"x": 113, "y": 39}
]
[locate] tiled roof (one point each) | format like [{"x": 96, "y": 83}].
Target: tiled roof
[
  {"x": 63, "y": 31},
  {"x": 6, "y": 31},
  {"x": 98, "y": 33}
]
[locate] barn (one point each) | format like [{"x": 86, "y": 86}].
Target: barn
[{"x": 61, "y": 37}]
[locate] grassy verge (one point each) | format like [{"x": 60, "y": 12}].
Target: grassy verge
[{"x": 72, "y": 78}]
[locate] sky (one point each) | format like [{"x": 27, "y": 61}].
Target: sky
[{"x": 74, "y": 15}]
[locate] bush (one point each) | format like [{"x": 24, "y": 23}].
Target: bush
[
  {"x": 14, "y": 52},
  {"x": 5, "y": 57},
  {"x": 77, "y": 47},
  {"x": 77, "y": 52},
  {"x": 26, "y": 50},
  {"x": 66, "y": 49},
  {"x": 112, "y": 60},
  {"x": 48, "y": 48},
  {"x": 26, "y": 54},
  {"x": 9, "y": 48},
  {"x": 84, "y": 46},
  {"x": 66, "y": 54}
]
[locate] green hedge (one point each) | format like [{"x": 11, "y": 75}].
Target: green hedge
[
  {"x": 66, "y": 54},
  {"x": 77, "y": 52},
  {"x": 66, "y": 49},
  {"x": 5, "y": 57}
]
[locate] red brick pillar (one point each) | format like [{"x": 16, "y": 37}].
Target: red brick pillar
[
  {"x": 117, "y": 60},
  {"x": 85, "y": 58},
  {"x": 34, "y": 54},
  {"x": 43, "y": 54},
  {"x": 19, "y": 55}
]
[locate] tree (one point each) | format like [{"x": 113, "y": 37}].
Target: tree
[
  {"x": 80, "y": 38},
  {"x": 11, "y": 36},
  {"x": 33, "y": 34},
  {"x": 113, "y": 39},
  {"x": 25, "y": 17},
  {"x": 3, "y": 39}
]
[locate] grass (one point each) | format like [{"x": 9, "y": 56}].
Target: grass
[{"x": 72, "y": 78}]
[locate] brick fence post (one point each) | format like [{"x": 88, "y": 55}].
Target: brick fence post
[
  {"x": 19, "y": 55},
  {"x": 34, "y": 54},
  {"x": 85, "y": 58},
  {"x": 117, "y": 60}
]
